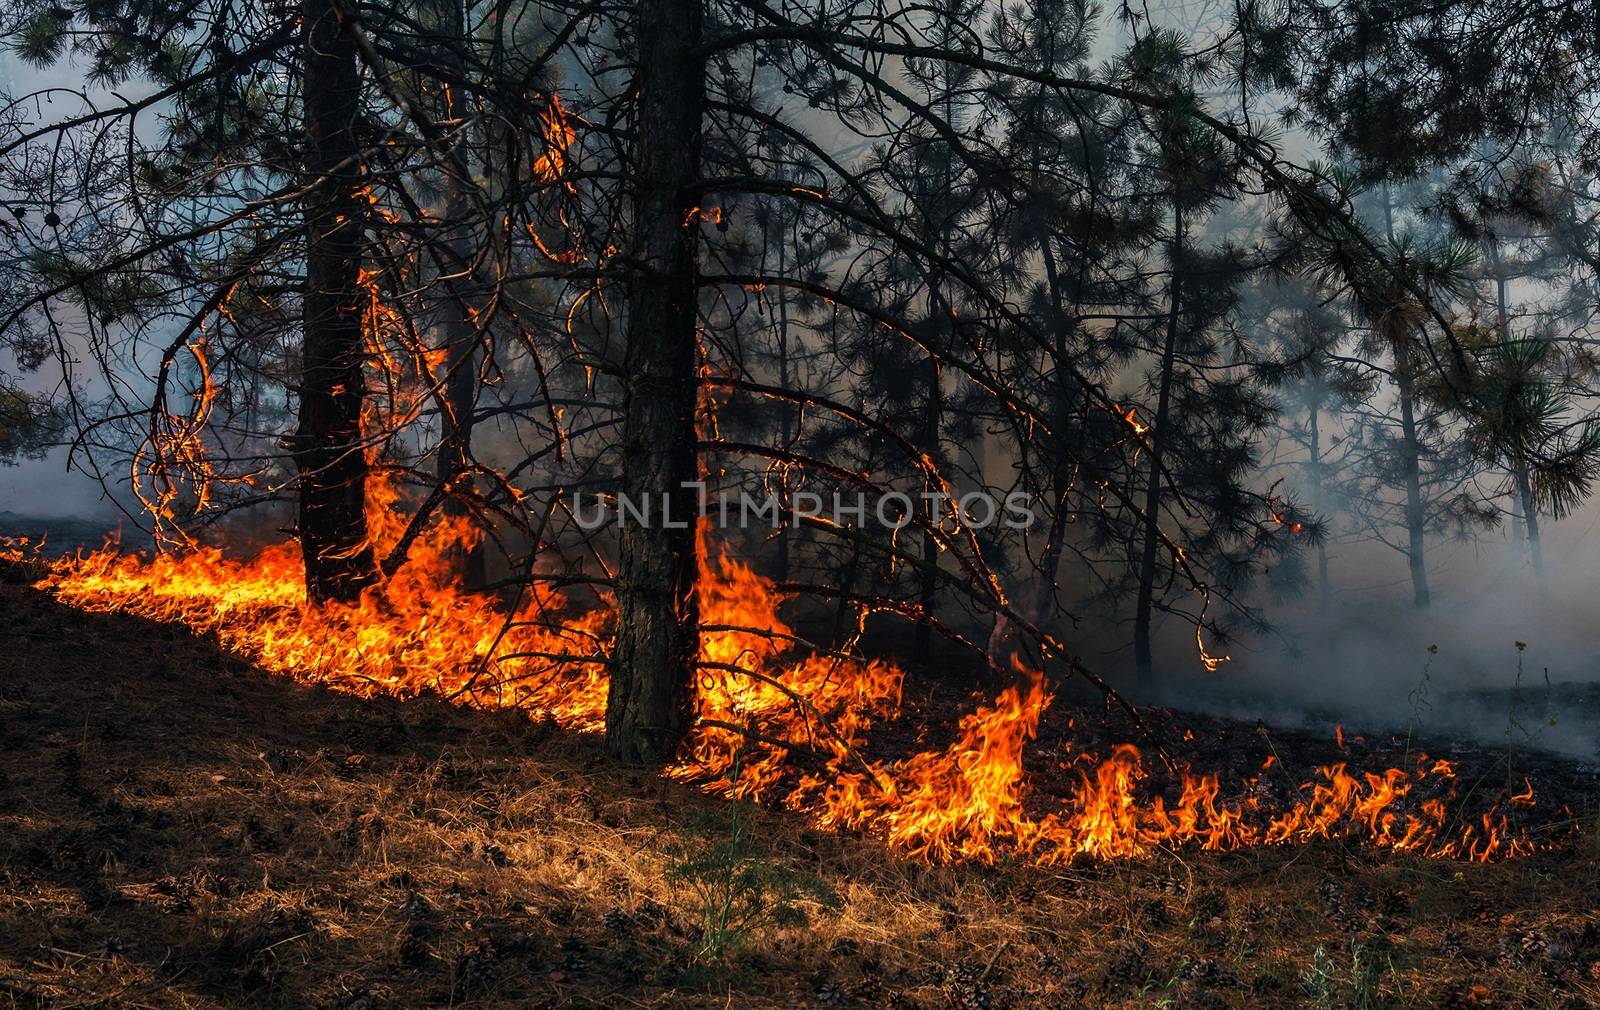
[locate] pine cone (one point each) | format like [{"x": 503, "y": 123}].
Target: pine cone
[
  {"x": 1155, "y": 912},
  {"x": 1330, "y": 892},
  {"x": 361, "y": 999},
  {"x": 963, "y": 986},
  {"x": 1051, "y": 967},
  {"x": 474, "y": 973},
  {"x": 1210, "y": 904},
  {"x": 416, "y": 907},
  {"x": 869, "y": 988},
  {"x": 1174, "y": 886},
  {"x": 495, "y": 854},
  {"x": 1519, "y": 949},
  {"x": 1206, "y": 972},
  {"x": 173, "y": 896},
  {"x": 1127, "y": 964},
  {"x": 413, "y": 950},
  {"x": 1396, "y": 902}
]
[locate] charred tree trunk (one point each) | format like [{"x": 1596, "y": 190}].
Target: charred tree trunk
[
  {"x": 1063, "y": 472},
  {"x": 1036, "y": 601},
  {"x": 1411, "y": 461},
  {"x": 1324, "y": 589},
  {"x": 843, "y": 627},
  {"x": 327, "y": 446},
  {"x": 1530, "y": 518},
  {"x": 455, "y": 448},
  {"x": 1520, "y": 470},
  {"x": 457, "y": 330},
  {"x": 942, "y": 308},
  {"x": 932, "y": 418},
  {"x": 786, "y": 412},
  {"x": 1142, "y": 657},
  {"x": 648, "y": 709},
  {"x": 1410, "y": 449}
]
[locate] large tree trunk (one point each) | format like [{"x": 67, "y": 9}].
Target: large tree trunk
[
  {"x": 653, "y": 662},
  {"x": 327, "y": 446},
  {"x": 1142, "y": 655}
]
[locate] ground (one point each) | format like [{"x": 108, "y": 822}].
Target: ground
[{"x": 178, "y": 829}]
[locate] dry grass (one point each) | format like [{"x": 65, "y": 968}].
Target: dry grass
[{"x": 180, "y": 830}]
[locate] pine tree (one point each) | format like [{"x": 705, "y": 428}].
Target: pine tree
[
  {"x": 328, "y": 444},
  {"x": 653, "y": 660}
]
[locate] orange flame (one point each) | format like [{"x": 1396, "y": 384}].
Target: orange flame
[
  {"x": 779, "y": 720},
  {"x": 555, "y": 126}
]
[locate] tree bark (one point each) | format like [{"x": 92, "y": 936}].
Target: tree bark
[
  {"x": 1324, "y": 587},
  {"x": 786, "y": 411},
  {"x": 1036, "y": 602},
  {"x": 1142, "y": 656},
  {"x": 1530, "y": 518},
  {"x": 932, "y": 418},
  {"x": 1410, "y": 450},
  {"x": 455, "y": 448},
  {"x": 327, "y": 447},
  {"x": 933, "y": 407},
  {"x": 1411, "y": 460},
  {"x": 648, "y": 709},
  {"x": 1524, "y": 480},
  {"x": 457, "y": 331},
  {"x": 843, "y": 627}
]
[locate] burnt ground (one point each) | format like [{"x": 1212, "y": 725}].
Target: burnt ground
[
  {"x": 178, "y": 829},
  {"x": 59, "y": 535}
]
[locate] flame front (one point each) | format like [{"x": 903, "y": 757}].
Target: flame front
[{"x": 779, "y": 720}]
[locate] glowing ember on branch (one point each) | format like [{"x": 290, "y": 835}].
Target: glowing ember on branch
[{"x": 778, "y": 720}]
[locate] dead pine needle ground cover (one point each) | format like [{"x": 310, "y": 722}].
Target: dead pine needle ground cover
[{"x": 178, "y": 829}]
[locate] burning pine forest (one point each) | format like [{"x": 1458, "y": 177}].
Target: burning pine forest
[{"x": 782, "y": 503}]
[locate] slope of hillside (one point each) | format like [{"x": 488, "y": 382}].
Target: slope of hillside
[{"x": 178, "y": 829}]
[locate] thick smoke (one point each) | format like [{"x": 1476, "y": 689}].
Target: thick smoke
[{"x": 1371, "y": 660}]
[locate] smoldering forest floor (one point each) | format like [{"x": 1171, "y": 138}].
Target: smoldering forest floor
[{"x": 178, "y": 829}]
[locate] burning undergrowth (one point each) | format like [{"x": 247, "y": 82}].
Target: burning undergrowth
[
  {"x": 818, "y": 732},
  {"x": 182, "y": 831}
]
